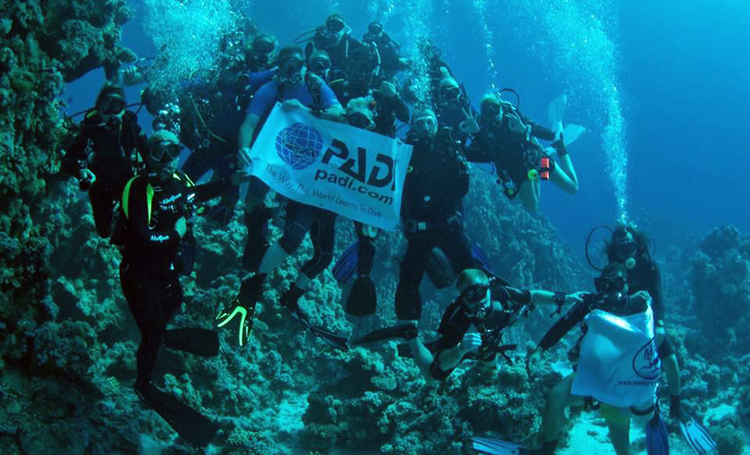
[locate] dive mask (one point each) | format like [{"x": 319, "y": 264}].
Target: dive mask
[
  {"x": 334, "y": 26},
  {"x": 609, "y": 284},
  {"x": 165, "y": 151},
  {"x": 112, "y": 105},
  {"x": 358, "y": 120},
  {"x": 626, "y": 248},
  {"x": 475, "y": 293}
]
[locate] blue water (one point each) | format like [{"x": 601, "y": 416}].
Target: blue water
[{"x": 671, "y": 79}]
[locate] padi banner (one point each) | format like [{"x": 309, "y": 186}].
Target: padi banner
[{"x": 352, "y": 172}]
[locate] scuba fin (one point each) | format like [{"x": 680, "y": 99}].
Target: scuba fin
[
  {"x": 405, "y": 331},
  {"x": 202, "y": 342},
  {"x": 346, "y": 265},
  {"x": 572, "y": 132},
  {"x": 657, "y": 436},
  {"x": 495, "y": 447},
  {"x": 439, "y": 269},
  {"x": 697, "y": 436},
  {"x": 479, "y": 256},
  {"x": 190, "y": 424},
  {"x": 555, "y": 113},
  {"x": 363, "y": 298},
  {"x": 331, "y": 339}
]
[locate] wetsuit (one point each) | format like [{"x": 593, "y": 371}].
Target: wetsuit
[
  {"x": 513, "y": 153},
  {"x": 431, "y": 212},
  {"x": 153, "y": 257},
  {"x": 387, "y": 111},
  {"x": 300, "y": 218},
  {"x": 110, "y": 153},
  {"x": 390, "y": 60},
  {"x": 456, "y": 323}
]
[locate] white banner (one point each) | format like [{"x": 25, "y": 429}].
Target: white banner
[{"x": 352, "y": 172}]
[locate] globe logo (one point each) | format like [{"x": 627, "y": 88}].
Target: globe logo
[{"x": 299, "y": 145}]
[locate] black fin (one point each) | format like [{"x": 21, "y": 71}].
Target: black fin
[
  {"x": 190, "y": 424},
  {"x": 363, "y": 298}
]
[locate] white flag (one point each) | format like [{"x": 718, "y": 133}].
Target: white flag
[{"x": 349, "y": 171}]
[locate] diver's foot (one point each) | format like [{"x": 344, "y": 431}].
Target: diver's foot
[{"x": 290, "y": 301}]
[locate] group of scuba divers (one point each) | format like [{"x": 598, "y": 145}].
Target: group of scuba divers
[{"x": 147, "y": 206}]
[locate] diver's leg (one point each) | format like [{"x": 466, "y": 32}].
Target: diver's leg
[
  {"x": 618, "y": 421},
  {"x": 408, "y": 299},
  {"x": 559, "y": 398},
  {"x": 528, "y": 192},
  {"x": 564, "y": 175},
  {"x": 365, "y": 251},
  {"x": 300, "y": 218},
  {"x": 423, "y": 358},
  {"x": 102, "y": 208},
  {"x": 323, "y": 236}
]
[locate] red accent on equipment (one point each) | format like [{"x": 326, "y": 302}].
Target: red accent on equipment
[{"x": 544, "y": 169}]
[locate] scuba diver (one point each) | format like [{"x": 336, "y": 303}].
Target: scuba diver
[
  {"x": 615, "y": 363},
  {"x": 454, "y": 110},
  {"x": 296, "y": 88},
  {"x": 507, "y": 139},
  {"x": 358, "y": 259},
  {"x": 472, "y": 326},
  {"x": 158, "y": 206},
  {"x": 105, "y": 153},
  {"x": 390, "y": 60},
  {"x": 431, "y": 211},
  {"x": 630, "y": 248}
]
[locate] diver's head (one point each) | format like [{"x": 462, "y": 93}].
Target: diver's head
[
  {"x": 291, "y": 63},
  {"x": 364, "y": 62},
  {"x": 164, "y": 153},
  {"x": 424, "y": 123},
  {"x": 474, "y": 286},
  {"x": 335, "y": 29},
  {"x": 375, "y": 29},
  {"x": 261, "y": 51},
  {"x": 359, "y": 114},
  {"x": 491, "y": 107},
  {"x": 614, "y": 279},
  {"x": 319, "y": 62},
  {"x": 110, "y": 103},
  {"x": 449, "y": 91},
  {"x": 626, "y": 244}
]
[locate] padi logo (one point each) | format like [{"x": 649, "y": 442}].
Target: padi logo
[
  {"x": 646, "y": 362},
  {"x": 299, "y": 145}
]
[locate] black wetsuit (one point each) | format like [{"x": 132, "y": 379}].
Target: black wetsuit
[
  {"x": 110, "y": 153},
  {"x": 151, "y": 257},
  {"x": 614, "y": 303},
  {"x": 390, "y": 60},
  {"x": 512, "y": 152},
  {"x": 456, "y": 323},
  {"x": 431, "y": 211}
]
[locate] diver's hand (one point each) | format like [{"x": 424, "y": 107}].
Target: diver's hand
[
  {"x": 85, "y": 175},
  {"x": 291, "y": 105},
  {"x": 243, "y": 158},
  {"x": 533, "y": 361},
  {"x": 470, "y": 125},
  {"x": 573, "y": 299},
  {"x": 387, "y": 89},
  {"x": 239, "y": 177},
  {"x": 640, "y": 299},
  {"x": 515, "y": 124},
  {"x": 130, "y": 76},
  {"x": 181, "y": 226},
  {"x": 471, "y": 343}
]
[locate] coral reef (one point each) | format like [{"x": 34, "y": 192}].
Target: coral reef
[{"x": 67, "y": 340}]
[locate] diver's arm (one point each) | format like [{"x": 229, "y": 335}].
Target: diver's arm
[
  {"x": 332, "y": 113},
  {"x": 450, "y": 358},
  {"x": 654, "y": 290},
  {"x": 400, "y": 108},
  {"x": 563, "y": 326},
  {"x": 75, "y": 157},
  {"x": 247, "y": 130},
  {"x": 541, "y": 297}
]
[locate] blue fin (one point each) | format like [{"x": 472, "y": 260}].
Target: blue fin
[
  {"x": 697, "y": 436},
  {"x": 346, "y": 265},
  {"x": 478, "y": 254},
  {"x": 495, "y": 447},
  {"x": 657, "y": 436}
]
